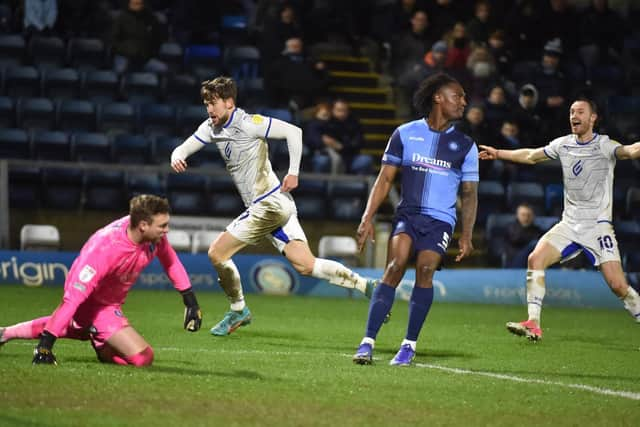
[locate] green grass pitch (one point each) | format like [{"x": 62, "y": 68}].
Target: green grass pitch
[{"x": 292, "y": 367}]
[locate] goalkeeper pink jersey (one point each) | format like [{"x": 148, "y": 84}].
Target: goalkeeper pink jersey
[{"x": 106, "y": 268}]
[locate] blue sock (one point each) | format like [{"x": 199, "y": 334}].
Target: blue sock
[
  {"x": 379, "y": 307},
  {"x": 419, "y": 305}
]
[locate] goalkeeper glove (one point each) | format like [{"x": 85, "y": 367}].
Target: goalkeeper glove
[
  {"x": 192, "y": 313},
  {"x": 43, "y": 353}
]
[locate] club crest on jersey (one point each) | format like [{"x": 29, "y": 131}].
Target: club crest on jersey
[
  {"x": 577, "y": 168},
  {"x": 454, "y": 146},
  {"x": 86, "y": 274},
  {"x": 257, "y": 119}
]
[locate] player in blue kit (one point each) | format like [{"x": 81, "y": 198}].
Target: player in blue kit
[{"x": 435, "y": 160}]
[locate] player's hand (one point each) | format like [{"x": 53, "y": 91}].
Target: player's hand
[
  {"x": 488, "y": 153},
  {"x": 43, "y": 356},
  {"x": 192, "y": 312},
  {"x": 365, "y": 231},
  {"x": 179, "y": 165},
  {"x": 466, "y": 247},
  {"x": 289, "y": 183},
  {"x": 192, "y": 318}
]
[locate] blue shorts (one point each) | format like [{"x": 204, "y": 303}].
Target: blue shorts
[{"x": 426, "y": 232}]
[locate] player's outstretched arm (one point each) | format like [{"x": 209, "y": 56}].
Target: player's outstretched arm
[
  {"x": 629, "y": 152},
  {"x": 182, "y": 152},
  {"x": 378, "y": 194},
  {"x": 527, "y": 156}
]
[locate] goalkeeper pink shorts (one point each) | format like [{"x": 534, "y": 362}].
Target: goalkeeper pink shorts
[{"x": 101, "y": 321}]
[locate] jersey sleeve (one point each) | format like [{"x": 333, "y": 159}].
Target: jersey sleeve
[
  {"x": 551, "y": 149},
  {"x": 203, "y": 134},
  {"x": 172, "y": 265},
  {"x": 609, "y": 147},
  {"x": 393, "y": 153},
  {"x": 257, "y": 126},
  {"x": 470, "y": 167},
  {"x": 87, "y": 271}
]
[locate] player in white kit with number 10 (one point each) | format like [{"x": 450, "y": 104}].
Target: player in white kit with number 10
[
  {"x": 588, "y": 161},
  {"x": 271, "y": 212}
]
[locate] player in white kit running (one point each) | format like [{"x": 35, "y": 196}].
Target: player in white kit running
[
  {"x": 271, "y": 212},
  {"x": 588, "y": 161}
]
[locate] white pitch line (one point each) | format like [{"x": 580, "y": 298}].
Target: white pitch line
[{"x": 598, "y": 390}]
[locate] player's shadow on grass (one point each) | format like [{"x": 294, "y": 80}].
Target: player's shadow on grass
[{"x": 238, "y": 374}]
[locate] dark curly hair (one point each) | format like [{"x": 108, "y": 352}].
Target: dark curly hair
[{"x": 423, "y": 98}]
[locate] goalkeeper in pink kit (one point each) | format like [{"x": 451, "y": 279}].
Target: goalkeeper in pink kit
[{"x": 97, "y": 286}]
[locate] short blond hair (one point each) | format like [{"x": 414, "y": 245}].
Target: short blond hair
[{"x": 145, "y": 206}]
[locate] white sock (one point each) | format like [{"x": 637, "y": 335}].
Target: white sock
[
  {"x": 632, "y": 303},
  {"x": 370, "y": 341},
  {"x": 411, "y": 343},
  {"x": 535, "y": 293},
  {"x": 238, "y": 305},
  {"x": 337, "y": 274}
]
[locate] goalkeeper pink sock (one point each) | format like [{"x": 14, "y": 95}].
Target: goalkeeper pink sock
[{"x": 26, "y": 330}]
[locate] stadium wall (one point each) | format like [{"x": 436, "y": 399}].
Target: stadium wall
[{"x": 274, "y": 275}]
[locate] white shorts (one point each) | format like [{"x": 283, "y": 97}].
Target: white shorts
[
  {"x": 274, "y": 218},
  {"x": 598, "y": 242}
]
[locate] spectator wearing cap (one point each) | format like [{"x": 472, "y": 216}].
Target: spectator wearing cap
[
  {"x": 552, "y": 87},
  {"x": 527, "y": 116}
]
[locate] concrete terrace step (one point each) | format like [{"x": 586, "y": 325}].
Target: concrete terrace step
[
  {"x": 346, "y": 63},
  {"x": 366, "y": 110},
  {"x": 382, "y": 126},
  {"x": 350, "y": 79},
  {"x": 362, "y": 94}
]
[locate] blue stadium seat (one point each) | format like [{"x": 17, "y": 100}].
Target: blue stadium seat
[
  {"x": 22, "y": 81},
  {"x": 251, "y": 92},
  {"x": 62, "y": 188},
  {"x": 35, "y": 113},
  {"x": 348, "y": 188},
  {"x": 134, "y": 149},
  {"x": 628, "y": 235},
  {"x": 7, "y": 112},
  {"x": 101, "y": 86},
  {"x": 115, "y": 118},
  {"x": 491, "y": 199},
  {"x": 224, "y": 204},
  {"x": 311, "y": 187},
  {"x": 63, "y": 83},
  {"x": 12, "y": 50},
  {"x": 203, "y": 60},
  {"x": 163, "y": 146},
  {"x": 24, "y": 187},
  {"x": 47, "y": 52},
  {"x": 91, "y": 147},
  {"x": 157, "y": 119},
  {"x": 181, "y": 89},
  {"x": 51, "y": 145},
  {"x": 277, "y": 113},
  {"x": 104, "y": 190},
  {"x": 145, "y": 183},
  {"x": 631, "y": 262},
  {"x": 554, "y": 199},
  {"x": 633, "y": 203},
  {"x": 242, "y": 62},
  {"x": 14, "y": 144},
  {"x": 495, "y": 230},
  {"x": 347, "y": 208},
  {"x": 141, "y": 88},
  {"x": 548, "y": 172},
  {"x": 311, "y": 207},
  {"x": 172, "y": 54},
  {"x": 546, "y": 222},
  {"x": 189, "y": 118},
  {"x": 76, "y": 116},
  {"x": 208, "y": 156},
  {"x": 529, "y": 192},
  {"x": 234, "y": 29},
  {"x": 222, "y": 184},
  {"x": 186, "y": 193},
  {"x": 87, "y": 54}
]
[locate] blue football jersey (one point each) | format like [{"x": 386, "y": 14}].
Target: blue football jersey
[{"x": 432, "y": 165}]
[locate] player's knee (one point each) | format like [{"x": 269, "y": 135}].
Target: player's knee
[
  {"x": 144, "y": 358},
  {"x": 214, "y": 256},
  {"x": 394, "y": 268},
  {"x": 535, "y": 261},
  {"x": 427, "y": 271}
]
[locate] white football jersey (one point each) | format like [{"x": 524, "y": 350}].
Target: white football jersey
[
  {"x": 587, "y": 170},
  {"x": 243, "y": 146}
]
